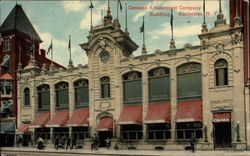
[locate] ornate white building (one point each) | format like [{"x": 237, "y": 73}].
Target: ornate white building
[{"x": 151, "y": 100}]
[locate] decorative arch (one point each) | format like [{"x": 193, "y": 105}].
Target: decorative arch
[
  {"x": 104, "y": 114},
  {"x": 152, "y": 66},
  {"x": 212, "y": 74},
  {"x": 187, "y": 60}
]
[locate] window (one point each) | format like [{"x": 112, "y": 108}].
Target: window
[
  {"x": 81, "y": 93},
  {"x": 43, "y": 97},
  {"x": 221, "y": 75},
  {"x": 80, "y": 133},
  {"x": 185, "y": 130},
  {"x": 159, "y": 84},
  {"x": 6, "y": 88},
  {"x": 132, "y": 88},
  {"x": 26, "y": 96},
  {"x": 6, "y": 44},
  {"x": 189, "y": 82},
  {"x": 5, "y": 64},
  {"x": 62, "y": 95},
  {"x": 105, "y": 87},
  {"x": 131, "y": 132},
  {"x": 159, "y": 131}
]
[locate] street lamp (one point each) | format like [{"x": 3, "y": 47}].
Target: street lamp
[{"x": 238, "y": 131}]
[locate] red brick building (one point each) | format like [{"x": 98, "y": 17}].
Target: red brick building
[{"x": 19, "y": 41}]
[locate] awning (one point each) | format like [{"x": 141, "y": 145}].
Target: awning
[
  {"x": 40, "y": 120},
  {"x": 131, "y": 115},
  {"x": 6, "y": 76},
  {"x": 189, "y": 111},
  {"x": 23, "y": 129},
  {"x": 78, "y": 118},
  {"x": 158, "y": 113},
  {"x": 105, "y": 124},
  {"x": 7, "y": 127},
  {"x": 59, "y": 119},
  {"x": 222, "y": 117}
]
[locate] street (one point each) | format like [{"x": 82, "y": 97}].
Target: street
[{"x": 28, "y": 151}]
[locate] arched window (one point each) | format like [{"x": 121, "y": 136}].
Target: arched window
[
  {"x": 62, "y": 95},
  {"x": 159, "y": 84},
  {"x": 43, "y": 97},
  {"x": 26, "y": 96},
  {"x": 189, "y": 82},
  {"x": 105, "y": 87},
  {"x": 81, "y": 93},
  {"x": 221, "y": 74},
  {"x": 132, "y": 88}
]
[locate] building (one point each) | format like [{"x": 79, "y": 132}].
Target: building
[
  {"x": 148, "y": 101},
  {"x": 18, "y": 42}
]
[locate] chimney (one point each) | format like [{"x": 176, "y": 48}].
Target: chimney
[{"x": 43, "y": 53}]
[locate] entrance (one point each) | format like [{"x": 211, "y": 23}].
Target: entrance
[
  {"x": 103, "y": 135},
  {"x": 222, "y": 134}
]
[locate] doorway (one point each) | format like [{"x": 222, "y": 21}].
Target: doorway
[
  {"x": 222, "y": 135},
  {"x": 103, "y": 135}
]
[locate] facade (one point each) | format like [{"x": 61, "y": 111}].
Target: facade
[
  {"x": 148, "y": 101},
  {"x": 18, "y": 42}
]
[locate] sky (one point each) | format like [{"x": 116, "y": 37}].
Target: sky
[{"x": 58, "y": 19}]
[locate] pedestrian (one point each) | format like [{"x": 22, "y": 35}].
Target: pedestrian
[
  {"x": 73, "y": 143},
  {"x": 67, "y": 143},
  {"x": 40, "y": 143},
  {"x": 92, "y": 143},
  {"x": 56, "y": 142},
  {"x": 96, "y": 142},
  {"x": 19, "y": 141},
  {"x": 62, "y": 141},
  {"x": 108, "y": 142},
  {"x": 192, "y": 142}
]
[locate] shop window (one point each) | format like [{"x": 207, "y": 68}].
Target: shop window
[
  {"x": 43, "y": 97},
  {"x": 132, "y": 88},
  {"x": 189, "y": 81},
  {"x": 42, "y": 132},
  {"x": 185, "y": 130},
  {"x": 81, "y": 93},
  {"x": 159, "y": 131},
  {"x": 7, "y": 44},
  {"x": 62, "y": 95},
  {"x": 159, "y": 84},
  {"x": 80, "y": 133},
  {"x": 131, "y": 132},
  {"x": 6, "y": 88},
  {"x": 26, "y": 97},
  {"x": 221, "y": 72},
  {"x": 105, "y": 87}
]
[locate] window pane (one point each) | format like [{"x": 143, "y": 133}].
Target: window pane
[
  {"x": 82, "y": 96},
  {"x": 159, "y": 88},
  {"x": 105, "y": 90},
  {"x": 180, "y": 135},
  {"x": 62, "y": 98},
  {"x": 44, "y": 101},
  {"x": 189, "y": 85},
  {"x": 132, "y": 91}
]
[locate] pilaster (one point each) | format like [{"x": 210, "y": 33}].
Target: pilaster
[
  {"x": 173, "y": 100},
  {"x": 144, "y": 101}
]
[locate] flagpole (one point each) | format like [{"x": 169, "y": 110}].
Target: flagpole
[
  {"x": 51, "y": 50},
  {"x": 70, "y": 47},
  {"x": 126, "y": 18},
  {"x": 143, "y": 32},
  {"x": 204, "y": 10},
  {"x": 171, "y": 22},
  {"x": 117, "y": 10}
]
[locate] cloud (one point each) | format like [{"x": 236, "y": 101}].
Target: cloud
[
  {"x": 182, "y": 31},
  {"x": 74, "y": 6}
]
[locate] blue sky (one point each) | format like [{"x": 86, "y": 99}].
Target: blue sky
[{"x": 59, "y": 19}]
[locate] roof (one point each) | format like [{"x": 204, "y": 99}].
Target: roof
[
  {"x": 17, "y": 20},
  {"x": 6, "y": 76}
]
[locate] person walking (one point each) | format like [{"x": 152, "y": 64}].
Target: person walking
[
  {"x": 96, "y": 142},
  {"x": 73, "y": 143},
  {"x": 92, "y": 143},
  {"x": 62, "y": 141},
  {"x": 67, "y": 143},
  {"x": 192, "y": 142},
  {"x": 56, "y": 142},
  {"x": 40, "y": 143}
]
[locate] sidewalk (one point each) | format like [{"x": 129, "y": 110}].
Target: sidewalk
[{"x": 103, "y": 151}]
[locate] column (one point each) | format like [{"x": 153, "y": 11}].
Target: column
[
  {"x": 173, "y": 100},
  {"x": 52, "y": 106},
  {"x": 71, "y": 103},
  {"x": 144, "y": 101}
]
